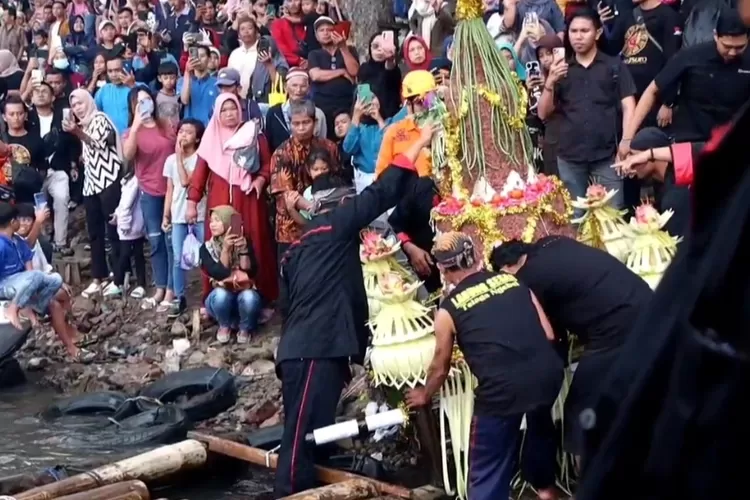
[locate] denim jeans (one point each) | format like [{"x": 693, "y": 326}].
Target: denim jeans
[
  {"x": 34, "y": 289},
  {"x": 235, "y": 309},
  {"x": 577, "y": 176},
  {"x": 178, "y": 235},
  {"x": 161, "y": 257}
]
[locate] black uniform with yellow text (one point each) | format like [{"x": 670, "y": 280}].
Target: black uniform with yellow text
[{"x": 500, "y": 334}]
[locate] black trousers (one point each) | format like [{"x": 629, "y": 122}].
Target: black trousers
[
  {"x": 311, "y": 389},
  {"x": 128, "y": 249},
  {"x": 99, "y": 210}
]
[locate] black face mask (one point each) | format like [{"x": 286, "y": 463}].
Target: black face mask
[{"x": 143, "y": 16}]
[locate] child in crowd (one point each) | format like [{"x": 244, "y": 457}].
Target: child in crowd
[
  {"x": 30, "y": 222},
  {"x": 342, "y": 120},
  {"x": 167, "y": 100},
  {"x": 364, "y": 135},
  {"x": 131, "y": 230},
  {"x": 27, "y": 289},
  {"x": 214, "y": 60},
  {"x": 318, "y": 163},
  {"x": 178, "y": 169}
]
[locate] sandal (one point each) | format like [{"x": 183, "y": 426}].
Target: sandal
[
  {"x": 243, "y": 337},
  {"x": 164, "y": 306},
  {"x": 223, "y": 335},
  {"x": 92, "y": 289},
  {"x": 148, "y": 303},
  {"x": 138, "y": 292}
]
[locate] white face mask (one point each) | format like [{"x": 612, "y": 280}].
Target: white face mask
[{"x": 60, "y": 63}]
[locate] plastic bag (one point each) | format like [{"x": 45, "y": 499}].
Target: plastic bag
[
  {"x": 190, "y": 251},
  {"x": 700, "y": 24}
]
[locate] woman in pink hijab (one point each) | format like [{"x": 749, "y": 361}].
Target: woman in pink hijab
[{"x": 234, "y": 167}]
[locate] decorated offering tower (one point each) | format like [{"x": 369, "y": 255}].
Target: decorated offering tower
[{"x": 489, "y": 188}]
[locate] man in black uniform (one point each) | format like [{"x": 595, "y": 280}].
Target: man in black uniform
[
  {"x": 325, "y": 309},
  {"x": 713, "y": 80},
  {"x": 584, "y": 291},
  {"x": 506, "y": 339}
]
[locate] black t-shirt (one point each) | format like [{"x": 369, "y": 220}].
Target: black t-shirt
[
  {"x": 585, "y": 290},
  {"x": 711, "y": 90},
  {"x": 647, "y": 46},
  {"x": 503, "y": 342},
  {"x": 29, "y": 150},
  {"x": 337, "y": 92}
]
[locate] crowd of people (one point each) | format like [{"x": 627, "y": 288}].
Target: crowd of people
[{"x": 230, "y": 135}]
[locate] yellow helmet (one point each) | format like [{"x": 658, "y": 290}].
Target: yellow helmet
[{"x": 417, "y": 83}]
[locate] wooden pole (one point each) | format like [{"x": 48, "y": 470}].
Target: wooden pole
[
  {"x": 135, "y": 490},
  {"x": 427, "y": 431},
  {"x": 151, "y": 465},
  {"x": 258, "y": 457},
  {"x": 354, "y": 489}
]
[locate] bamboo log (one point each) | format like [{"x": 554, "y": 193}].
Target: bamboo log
[
  {"x": 353, "y": 489},
  {"x": 135, "y": 490},
  {"x": 258, "y": 457},
  {"x": 151, "y": 465}
]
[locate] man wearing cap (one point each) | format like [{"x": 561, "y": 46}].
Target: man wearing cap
[
  {"x": 398, "y": 137},
  {"x": 518, "y": 370},
  {"x": 228, "y": 80},
  {"x": 107, "y": 33},
  {"x": 333, "y": 71},
  {"x": 197, "y": 88},
  {"x": 278, "y": 117},
  {"x": 324, "y": 309}
]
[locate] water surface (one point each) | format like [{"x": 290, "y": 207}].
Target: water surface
[{"x": 28, "y": 443}]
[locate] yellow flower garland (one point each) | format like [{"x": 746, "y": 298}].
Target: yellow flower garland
[
  {"x": 467, "y": 10},
  {"x": 484, "y": 217}
]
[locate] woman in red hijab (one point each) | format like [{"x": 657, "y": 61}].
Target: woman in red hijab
[
  {"x": 416, "y": 53},
  {"x": 233, "y": 168}
]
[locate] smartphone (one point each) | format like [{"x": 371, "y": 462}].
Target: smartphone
[
  {"x": 66, "y": 114},
  {"x": 37, "y": 75},
  {"x": 40, "y": 201},
  {"x": 264, "y": 45},
  {"x": 388, "y": 42},
  {"x": 364, "y": 93},
  {"x": 532, "y": 69},
  {"x": 235, "y": 225},
  {"x": 146, "y": 108},
  {"x": 558, "y": 54},
  {"x": 193, "y": 52}
]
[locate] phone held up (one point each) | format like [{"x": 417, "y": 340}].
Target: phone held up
[
  {"x": 235, "y": 225},
  {"x": 40, "y": 201},
  {"x": 146, "y": 108},
  {"x": 558, "y": 54},
  {"x": 264, "y": 45},
  {"x": 532, "y": 69}
]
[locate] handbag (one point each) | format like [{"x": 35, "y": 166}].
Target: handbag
[{"x": 277, "y": 94}]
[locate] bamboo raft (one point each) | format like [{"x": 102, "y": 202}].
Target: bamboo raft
[{"x": 128, "y": 479}]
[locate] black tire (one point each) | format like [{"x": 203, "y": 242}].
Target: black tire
[
  {"x": 162, "y": 425},
  {"x": 202, "y": 393},
  {"x": 107, "y": 403},
  {"x": 11, "y": 340},
  {"x": 11, "y": 374}
]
